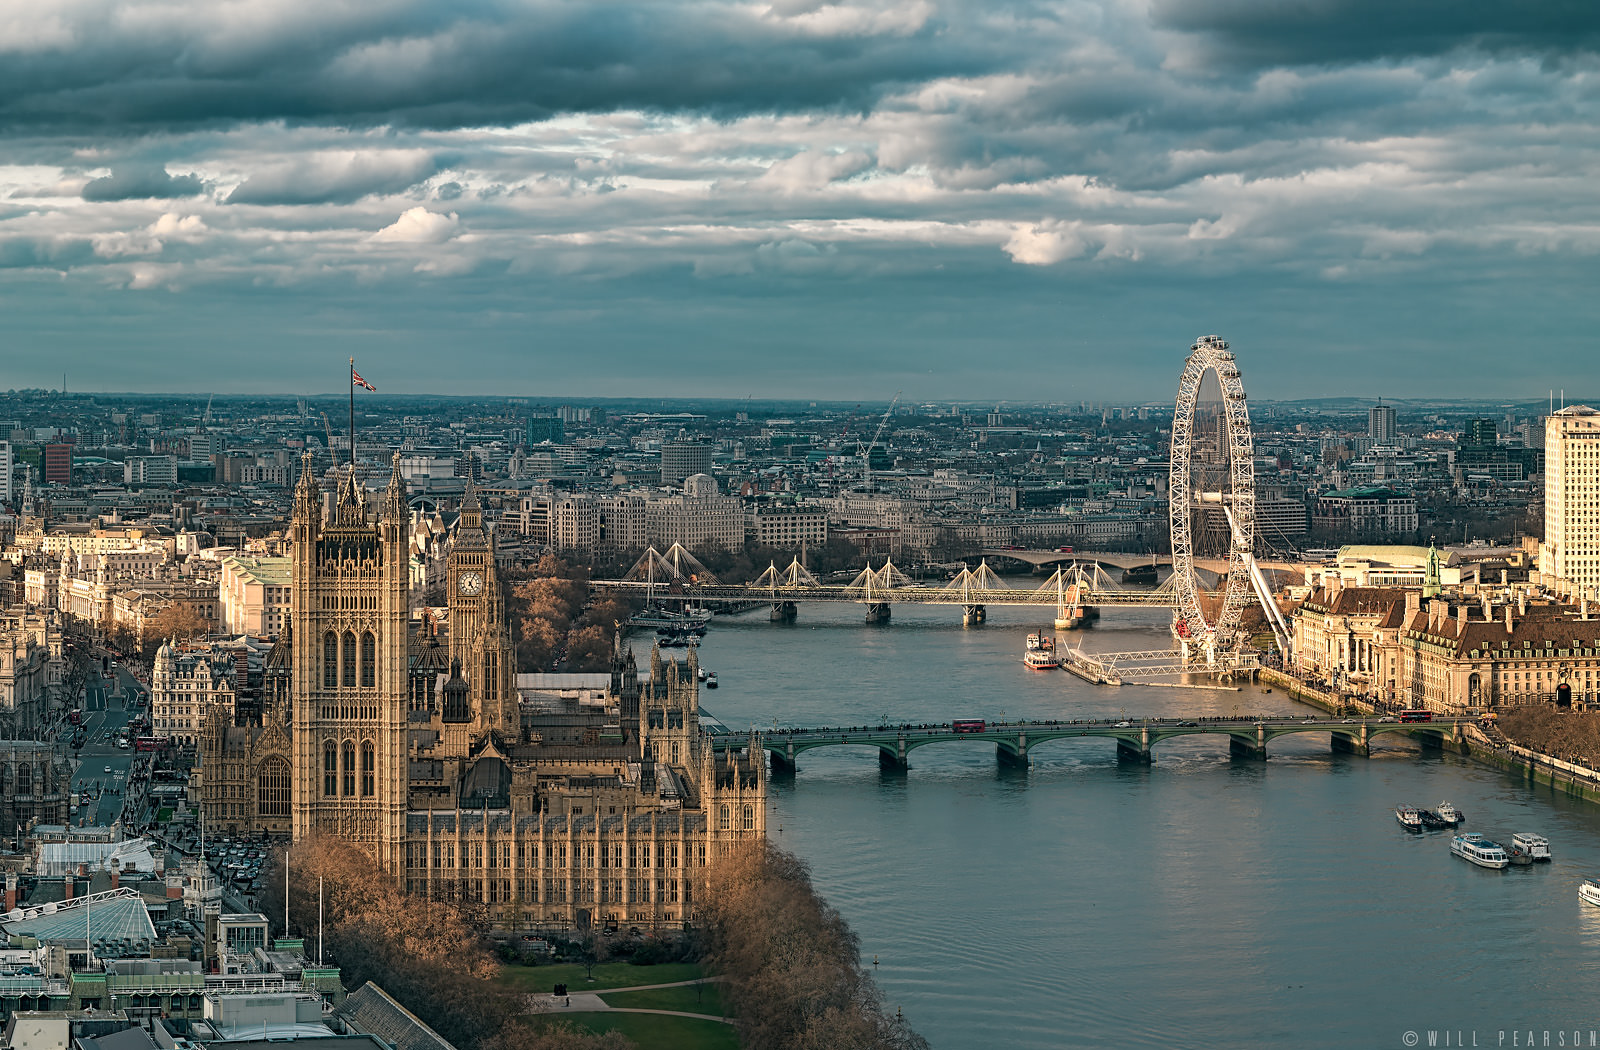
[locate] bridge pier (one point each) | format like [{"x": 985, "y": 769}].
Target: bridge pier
[
  {"x": 893, "y": 761},
  {"x": 784, "y": 612},
  {"x": 1240, "y": 746},
  {"x": 877, "y": 612},
  {"x": 783, "y": 764},
  {"x": 973, "y": 615},
  {"x": 1353, "y": 743},
  {"x": 1135, "y": 750},
  {"x": 1013, "y": 756}
]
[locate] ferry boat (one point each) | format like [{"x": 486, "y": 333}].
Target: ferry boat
[
  {"x": 1589, "y": 892},
  {"x": 1450, "y": 814},
  {"x": 1035, "y": 642},
  {"x": 1140, "y": 574},
  {"x": 1041, "y": 660},
  {"x": 1478, "y": 850},
  {"x": 702, "y": 674},
  {"x": 667, "y": 620},
  {"x": 1432, "y": 821},
  {"x": 1536, "y": 847},
  {"x": 711, "y": 680},
  {"x": 1409, "y": 816}
]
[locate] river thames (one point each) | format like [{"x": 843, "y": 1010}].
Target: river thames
[{"x": 1201, "y": 901}]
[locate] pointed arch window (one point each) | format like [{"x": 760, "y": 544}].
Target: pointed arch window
[
  {"x": 272, "y": 788},
  {"x": 724, "y": 817},
  {"x": 748, "y": 819},
  {"x": 349, "y": 760},
  {"x": 330, "y": 770},
  {"x": 368, "y": 767},
  {"x": 24, "y": 779},
  {"x": 330, "y": 660},
  {"x": 369, "y": 660},
  {"x": 347, "y": 661}
]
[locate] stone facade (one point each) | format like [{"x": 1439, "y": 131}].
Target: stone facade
[
  {"x": 559, "y": 812},
  {"x": 35, "y": 785}
]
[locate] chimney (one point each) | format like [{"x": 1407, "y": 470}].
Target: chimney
[
  {"x": 116, "y": 875},
  {"x": 1522, "y": 603},
  {"x": 1413, "y": 604},
  {"x": 1509, "y": 628},
  {"x": 69, "y": 886},
  {"x": 11, "y": 890}
]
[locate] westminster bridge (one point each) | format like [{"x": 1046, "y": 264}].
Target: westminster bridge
[{"x": 1014, "y": 741}]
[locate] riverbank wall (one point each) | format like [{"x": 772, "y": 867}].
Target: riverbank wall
[{"x": 1536, "y": 770}]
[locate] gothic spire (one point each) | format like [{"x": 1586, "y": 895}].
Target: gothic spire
[
  {"x": 394, "y": 497},
  {"x": 307, "y": 493}
]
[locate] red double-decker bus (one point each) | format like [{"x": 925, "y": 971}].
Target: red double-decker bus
[
  {"x": 967, "y": 725},
  {"x": 1417, "y": 714},
  {"x": 150, "y": 743}
]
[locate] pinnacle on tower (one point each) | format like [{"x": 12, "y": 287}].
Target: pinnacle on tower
[{"x": 394, "y": 497}]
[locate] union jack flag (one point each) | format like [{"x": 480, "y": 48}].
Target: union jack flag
[{"x": 356, "y": 380}]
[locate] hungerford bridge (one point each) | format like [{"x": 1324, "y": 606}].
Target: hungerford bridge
[
  {"x": 1211, "y": 478},
  {"x": 1014, "y": 741}
]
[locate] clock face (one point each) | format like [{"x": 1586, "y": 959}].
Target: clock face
[{"x": 470, "y": 583}]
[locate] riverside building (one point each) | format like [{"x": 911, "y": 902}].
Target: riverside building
[
  {"x": 600, "y": 800},
  {"x": 1571, "y": 547}
]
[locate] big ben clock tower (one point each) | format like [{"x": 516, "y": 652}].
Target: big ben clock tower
[{"x": 478, "y": 637}]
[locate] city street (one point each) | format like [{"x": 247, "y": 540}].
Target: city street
[{"x": 107, "y": 708}]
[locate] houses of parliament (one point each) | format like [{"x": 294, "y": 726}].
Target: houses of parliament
[{"x": 574, "y": 800}]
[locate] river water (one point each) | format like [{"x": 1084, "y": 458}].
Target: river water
[{"x": 1202, "y": 901}]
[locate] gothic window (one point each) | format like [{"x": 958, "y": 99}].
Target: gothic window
[
  {"x": 748, "y": 819},
  {"x": 272, "y": 788},
  {"x": 347, "y": 663},
  {"x": 367, "y": 766},
  {"x": 724, "y": 818},
  {"x": 330, "y": 770},
  {"x": 330, "y": 660},
  {"x": 349, "y": 758},
  {"x": 369, "y": 660},
  {"x": 24, "y": 779}
]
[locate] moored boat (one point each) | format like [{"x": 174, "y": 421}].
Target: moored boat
[
  {"x": 1035, "y": 642},
  {"x": 1474, "y": 848},
  {"x": 1589, "y": 892},
  {"x": 1535, "y": 846},
  {"x": 1432, "y": 821},
  {"x": 1041, "y": 660},
  {"x": 1409, "y": 816},
  {"x": 1139, "y": 574},
  {"x": 711, "y": 680},
  {"x": 1450, "y": 814}
]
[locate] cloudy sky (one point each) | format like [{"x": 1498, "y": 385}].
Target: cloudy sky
[{"x": 991, "y": 199}]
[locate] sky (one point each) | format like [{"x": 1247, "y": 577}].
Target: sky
[{"x": 947, "y": 199}]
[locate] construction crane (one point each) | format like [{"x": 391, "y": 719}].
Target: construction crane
[
  {"x": 205, "y": 421},
  {"x": 328, "y": 428},
  {"x": 866, "y": 454}
]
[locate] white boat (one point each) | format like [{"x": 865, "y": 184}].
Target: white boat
[
  {"x": 1479, "y": 850},
  {"x": 1041, "y": 660},
  {"x": 1409, "y": 816},
  {"x": 702, "y": 674},
  {"x": 1450, "y": 814},
  {"x": 1035, "y": 642},
  {"x": 1589, "y": 892},
  {"x": 1535, "y": 846}
]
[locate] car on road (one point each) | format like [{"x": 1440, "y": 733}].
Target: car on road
[
  {"x": 1122, "y": 725},
  {"x": 1187, "y": 725},
  {"x": 1388, "y": 718},
  {"x": 1308, "y": 721}
]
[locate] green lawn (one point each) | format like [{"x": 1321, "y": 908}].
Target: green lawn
[
  {"x": 606, "y": 975},
  {"x": 657, "y": 1032},
  {"x": 690, "y": 999}
]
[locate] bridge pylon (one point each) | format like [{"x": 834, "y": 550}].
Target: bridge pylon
[{"x": 972, "y": 615}]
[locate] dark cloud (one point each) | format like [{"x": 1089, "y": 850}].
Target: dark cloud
[
  {"x": 1276, "y": 32},
  {"x": 23, "y": 253},
  {"x": 480, "y": 63},
  {"x": 137, "y": 182}
]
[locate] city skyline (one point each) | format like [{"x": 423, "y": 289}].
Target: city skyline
[{"x": 828, "y": 201}]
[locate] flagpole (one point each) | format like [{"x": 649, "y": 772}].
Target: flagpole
[{"x": 352, "y": 417}]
